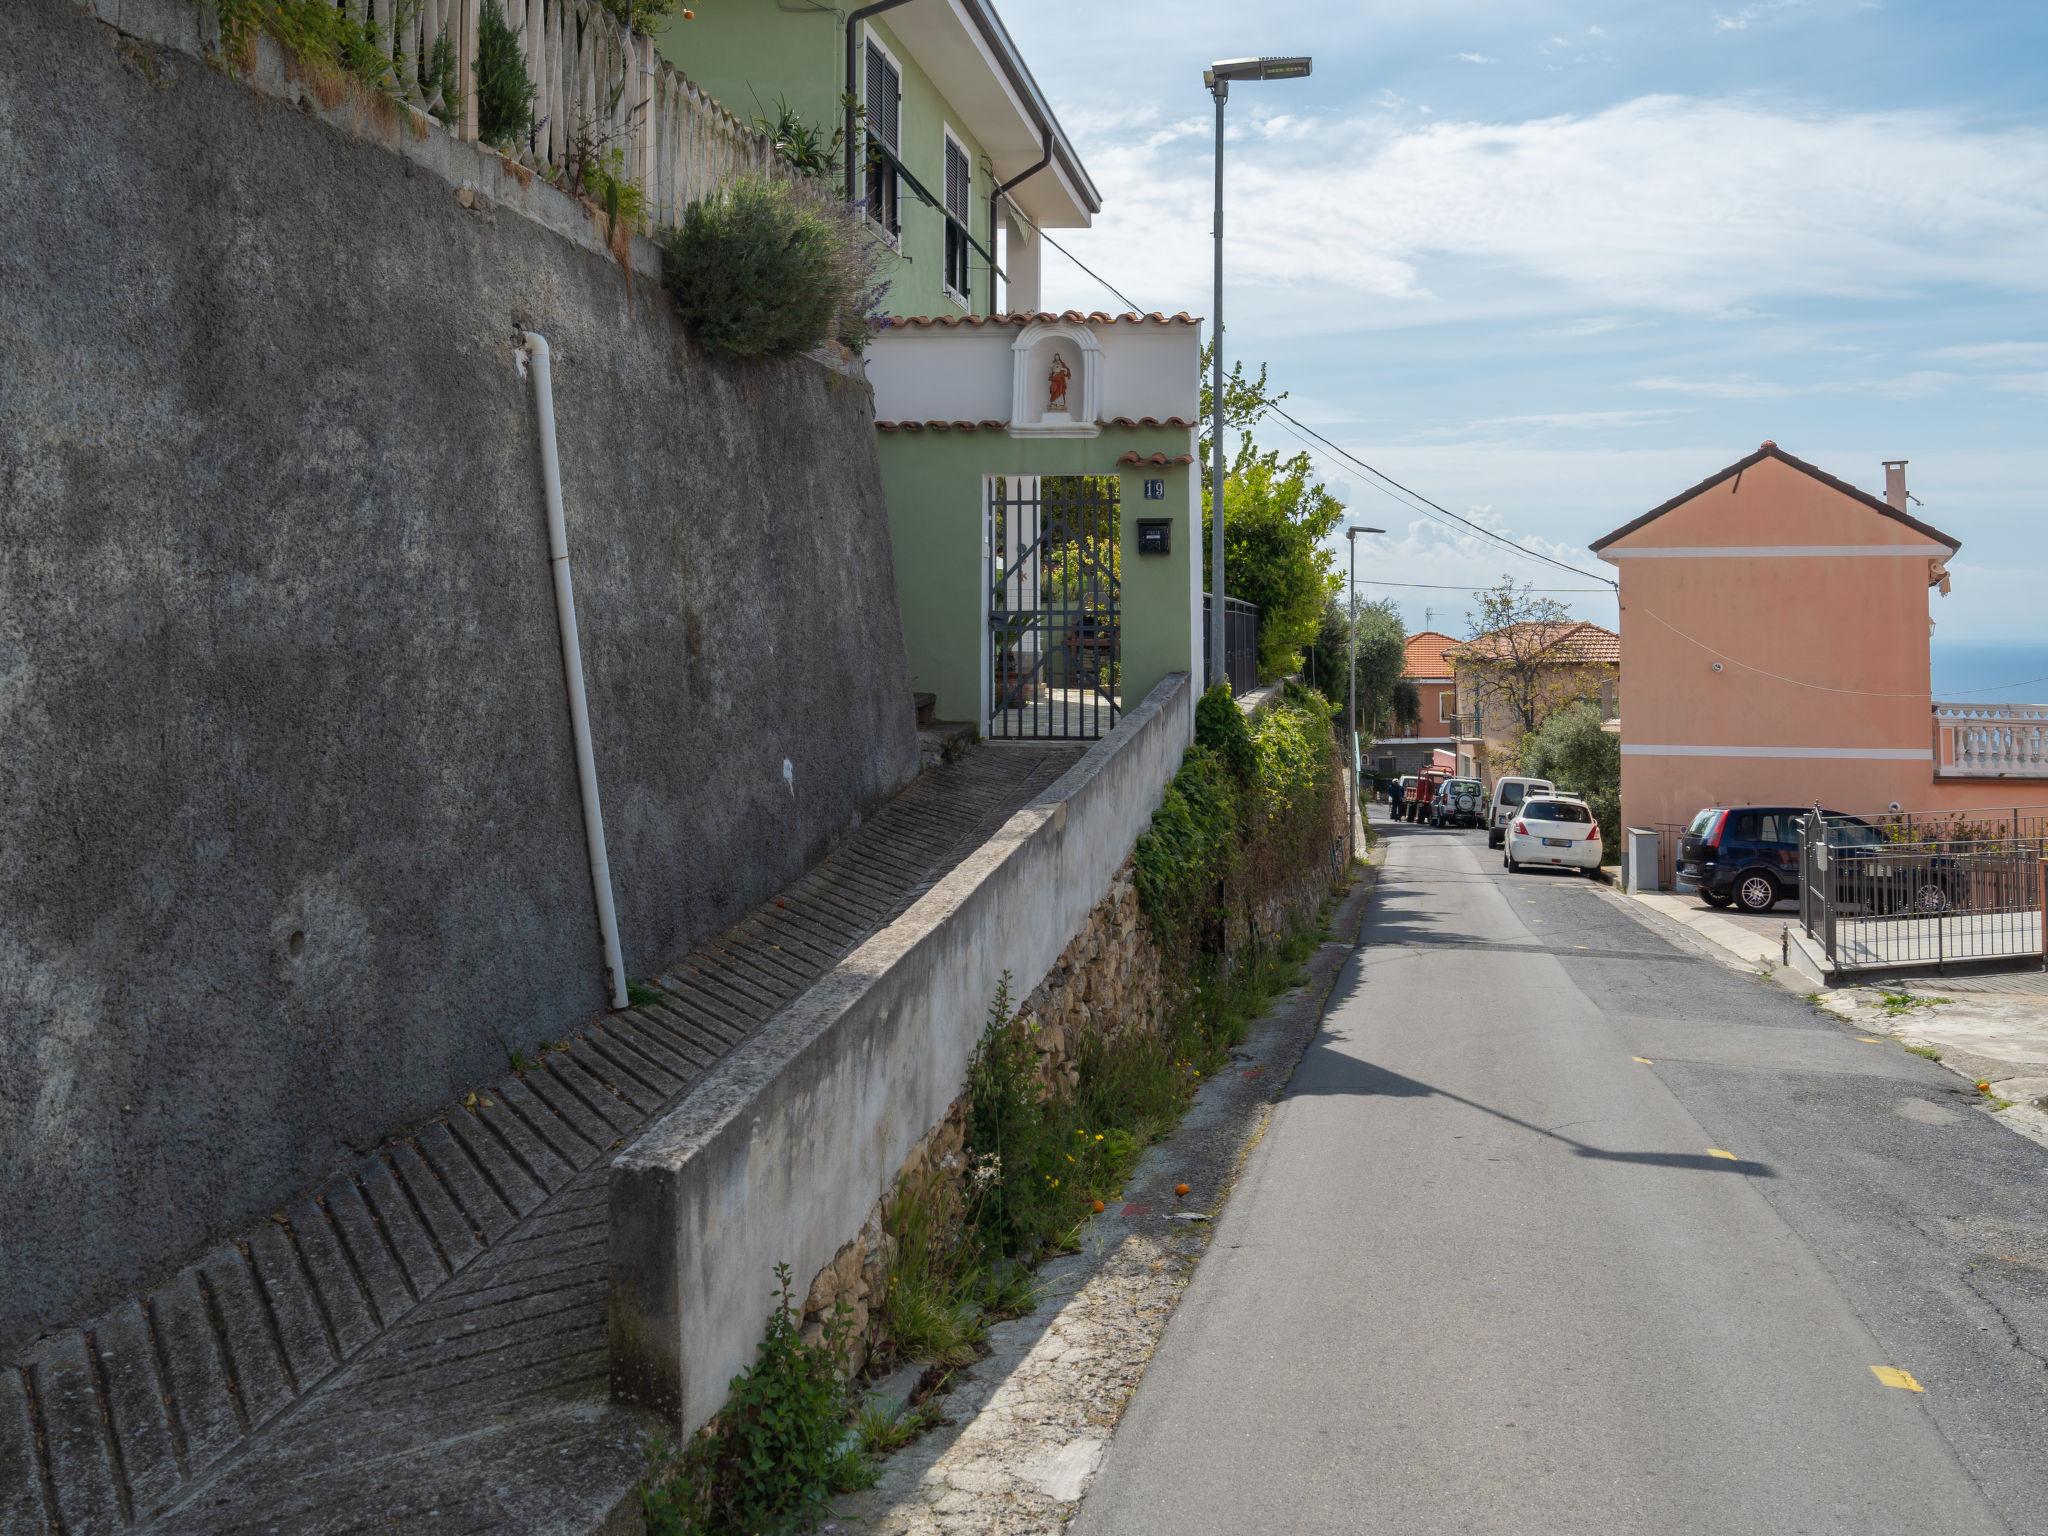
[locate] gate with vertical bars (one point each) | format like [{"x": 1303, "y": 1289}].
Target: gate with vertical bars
[{"x": 1055, "y": 626}]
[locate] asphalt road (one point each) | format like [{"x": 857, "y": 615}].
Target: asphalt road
[{"x": 1487, "y": 1271}]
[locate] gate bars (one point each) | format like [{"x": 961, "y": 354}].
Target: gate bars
[{"x": 1055, "y": 621}]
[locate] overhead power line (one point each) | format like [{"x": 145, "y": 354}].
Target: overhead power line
[
  {"x": 1466, "y": 586},
  {"x": 1426, "y": 507}
]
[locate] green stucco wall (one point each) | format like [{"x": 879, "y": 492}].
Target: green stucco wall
[
  {"x": 750, "y": 54},
  {"x": 934, "y": 485}
]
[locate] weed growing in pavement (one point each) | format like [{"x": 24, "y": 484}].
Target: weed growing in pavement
[
  {"x": 883, "y": 1434},
  {"x": 777, "y": 1451},
  {"x": 1899, "y": 1004},
  {"x": 1924, "y": 1050},
  {"x": 640, "y": 993}
]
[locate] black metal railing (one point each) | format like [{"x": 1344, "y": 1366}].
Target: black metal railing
[
  {"x": 1055, "y": 642},
  {"x": 1902, "y": 895},
  {"x": 1240, "y": 643}
]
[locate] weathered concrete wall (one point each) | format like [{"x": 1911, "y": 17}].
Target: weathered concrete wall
[
  {"x": 782, "y": 1151},
  {"x": 291, "y": 843}
]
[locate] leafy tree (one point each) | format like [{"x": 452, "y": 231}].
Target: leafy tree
[
  {"x": 1572, "y": 751},
  {"x": 1245, "y": 403},
  {"x": 1276, "y": 516},
  {"x": 1512, "y": 662},
  {"x": 1382, "y": 653}
]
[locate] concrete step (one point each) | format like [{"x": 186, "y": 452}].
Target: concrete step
[
  {"x": 941, "y": 741},
  {"x": 926, "y": 704},
  {"x": 439, "y": 1305}
]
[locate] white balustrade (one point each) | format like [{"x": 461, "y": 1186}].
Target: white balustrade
[
  {"x": 1994, "y": 740},
  {"x": 677, "y": 143}
]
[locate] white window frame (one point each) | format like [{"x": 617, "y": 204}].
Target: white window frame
[
  {"x": 891, "y": 238},
  {"x": 1446, "y": 706},
  {"x": 965, "y": 299}
]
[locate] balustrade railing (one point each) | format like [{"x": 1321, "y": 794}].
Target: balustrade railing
[
  {"x": 596, "y": 83},
  {"x": 1991, "y": 740}
]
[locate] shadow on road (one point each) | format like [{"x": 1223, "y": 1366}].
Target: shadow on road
[{"x": 1325, "y": 1072}]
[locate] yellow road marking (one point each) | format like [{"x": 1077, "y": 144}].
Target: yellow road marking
[
  {"x": 1718, "y": 1152},
  {"x": 1869, "y": 1040},
  {"x": 1892, "y": 1376},
  {"x": 1643, "y": 1059}
]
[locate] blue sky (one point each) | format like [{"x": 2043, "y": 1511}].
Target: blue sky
[{"x": 1550, "y": 263}]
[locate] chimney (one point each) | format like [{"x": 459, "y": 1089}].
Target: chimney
[{"x": 1895, "y": 484}]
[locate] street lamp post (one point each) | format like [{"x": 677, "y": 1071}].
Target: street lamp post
[
  {"x": 1217, "y": 78},
  {"x": 1351, "y": 690}
]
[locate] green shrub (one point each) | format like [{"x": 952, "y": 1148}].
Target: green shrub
[
  {"x": 1193, "y": 846},
  {"x": 1220, "y": 726},
  {"x": 504, "y": 92},
  {"x": 316, "y": 33},
  {"x": 773, "y": 1457},
  {"x": 765, "y": 266}
]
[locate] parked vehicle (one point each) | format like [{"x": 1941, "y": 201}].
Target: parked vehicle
[
  {"x": 1459, "y": 803},
  {"x": 1404, "y": 804},
  {"x": 1748, "y": 856},
  {"x": 1508, "y": 795},
  {"x": 1429, "y": 781},
  {"x": 1551, "y": 830}
]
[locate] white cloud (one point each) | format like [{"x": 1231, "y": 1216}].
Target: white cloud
[
  {"x": 1477, "y": 58},
  {"x": 1660, "y": 203},
  {"x": 2024, "y": 383},
  {"x": 1730, "y": 387},
  {"x": 2011, "y": 354},
  {"x": 1591, "y": 325},
  {"x": 1742, "y": 17}
]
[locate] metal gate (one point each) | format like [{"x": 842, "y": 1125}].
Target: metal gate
[{"x": 1055, "y": 628}]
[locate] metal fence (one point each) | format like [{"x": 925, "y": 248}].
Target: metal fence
[
  {"x": 1893, "y": 895},
  {"x": 1240, "y": 643}
]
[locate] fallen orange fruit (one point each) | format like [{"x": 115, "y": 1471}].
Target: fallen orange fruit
[
  {"x": 1098, "y": 1207},
  {"x": 1983, "y": 1087},
  {"x": 1180, "y": 1189}
]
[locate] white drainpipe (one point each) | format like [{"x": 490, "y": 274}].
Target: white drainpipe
[{"x": 572, "y": 664}]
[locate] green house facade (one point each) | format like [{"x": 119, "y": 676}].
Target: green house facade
[{"x": 949, "y": 115}]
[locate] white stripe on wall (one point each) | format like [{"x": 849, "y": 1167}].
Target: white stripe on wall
[
  {"x": 1856, "y": 754},
  {"x": 1778, "y": 551}
]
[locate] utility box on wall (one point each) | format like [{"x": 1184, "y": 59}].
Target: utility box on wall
[{"x": 1155, "y": 535}]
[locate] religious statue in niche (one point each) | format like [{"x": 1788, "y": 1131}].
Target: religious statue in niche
[{"x": 1056, "y": 384}]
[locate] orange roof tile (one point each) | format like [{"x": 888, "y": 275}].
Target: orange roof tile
[
  {"x": 1157, "y": 460},
  {"x": 1576, "y": 641},
  {"x": 1044, "y": 316},
  {"x": 1426, "y": 655}
]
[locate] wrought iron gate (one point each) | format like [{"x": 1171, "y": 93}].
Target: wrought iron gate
[{"x": 1055, "y": 627}]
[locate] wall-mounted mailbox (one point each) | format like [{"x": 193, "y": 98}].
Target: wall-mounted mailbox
[{"x": 1155, "y": 535}]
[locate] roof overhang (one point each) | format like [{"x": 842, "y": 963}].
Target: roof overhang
[{"x": 967, "y": 53}]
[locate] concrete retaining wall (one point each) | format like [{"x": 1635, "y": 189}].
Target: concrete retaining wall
[
  {"x": 290, "y": 842},
  {"x": 782, "y": 1151}
]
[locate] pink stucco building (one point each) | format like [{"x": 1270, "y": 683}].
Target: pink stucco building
[{"x": 1775, "y": 625}]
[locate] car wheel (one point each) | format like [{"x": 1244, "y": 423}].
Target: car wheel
[
  {"x": 1493, "y": 839},
  {"x": 1508, "y": 859},
  {"x": 1715, "y": 898},
  {"x": 1930, "y": 899},
  {"x": 1756, "y": 892}
]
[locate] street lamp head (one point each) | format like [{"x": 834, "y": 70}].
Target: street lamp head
[
  {"x": 1217, "y": 76},
  {"x": 1356, "y": 529}
]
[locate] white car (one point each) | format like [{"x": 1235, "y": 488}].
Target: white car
[{"x": 1552, "y": 830}]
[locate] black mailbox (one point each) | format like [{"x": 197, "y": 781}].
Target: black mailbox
[{"x": 1155, "y": 535}]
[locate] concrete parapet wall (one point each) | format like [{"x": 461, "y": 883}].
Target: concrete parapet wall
[{"x": 782, "y": 1152}]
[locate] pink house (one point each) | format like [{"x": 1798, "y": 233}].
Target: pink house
[{"x": 1775, "y": 625}]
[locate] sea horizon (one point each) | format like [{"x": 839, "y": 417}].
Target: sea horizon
[{"x": 1990, "y": 671}]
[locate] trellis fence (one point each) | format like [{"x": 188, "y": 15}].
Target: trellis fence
[{"x": 594, "y": 79}]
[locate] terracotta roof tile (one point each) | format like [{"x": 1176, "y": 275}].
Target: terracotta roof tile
[
  {"x": 1043, "y": 316},
  {"x": 1426, "y": 654},
  {"x": 941, "y": 426},
  {"x": 1770, "y": 450},
  {"x": 1157, "y": 460},
  {"x": 1578, "y": 641},
  {"x": 1150, "y": 421}
]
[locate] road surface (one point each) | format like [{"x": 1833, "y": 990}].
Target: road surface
[{"x": 1563, "y": 1226}]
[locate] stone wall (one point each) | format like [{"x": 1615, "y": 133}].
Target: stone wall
[
  {"x": 1109, "y": 980},
  {"x": 291, "y": 849}
]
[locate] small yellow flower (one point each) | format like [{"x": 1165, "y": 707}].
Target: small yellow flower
[
  {"x": 1070, "y": 1157},
  {"x": 1098, "y": 1135}
]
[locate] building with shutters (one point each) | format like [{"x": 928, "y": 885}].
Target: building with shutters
[
  {"x": 956, "y": 157},
  {"x": 1045, "y": 508}
]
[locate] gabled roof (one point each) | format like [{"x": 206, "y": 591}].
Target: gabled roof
[
  {"x": 1770, "y": 450},
  {"x": 1425, "y": 653},
  {"x": 1578, "y": 642}
]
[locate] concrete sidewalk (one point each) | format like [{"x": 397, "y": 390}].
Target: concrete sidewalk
[{"x": 1988, "y": 1026}]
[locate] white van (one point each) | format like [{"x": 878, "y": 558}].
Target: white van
[{"x": 1508, "y": 795}]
